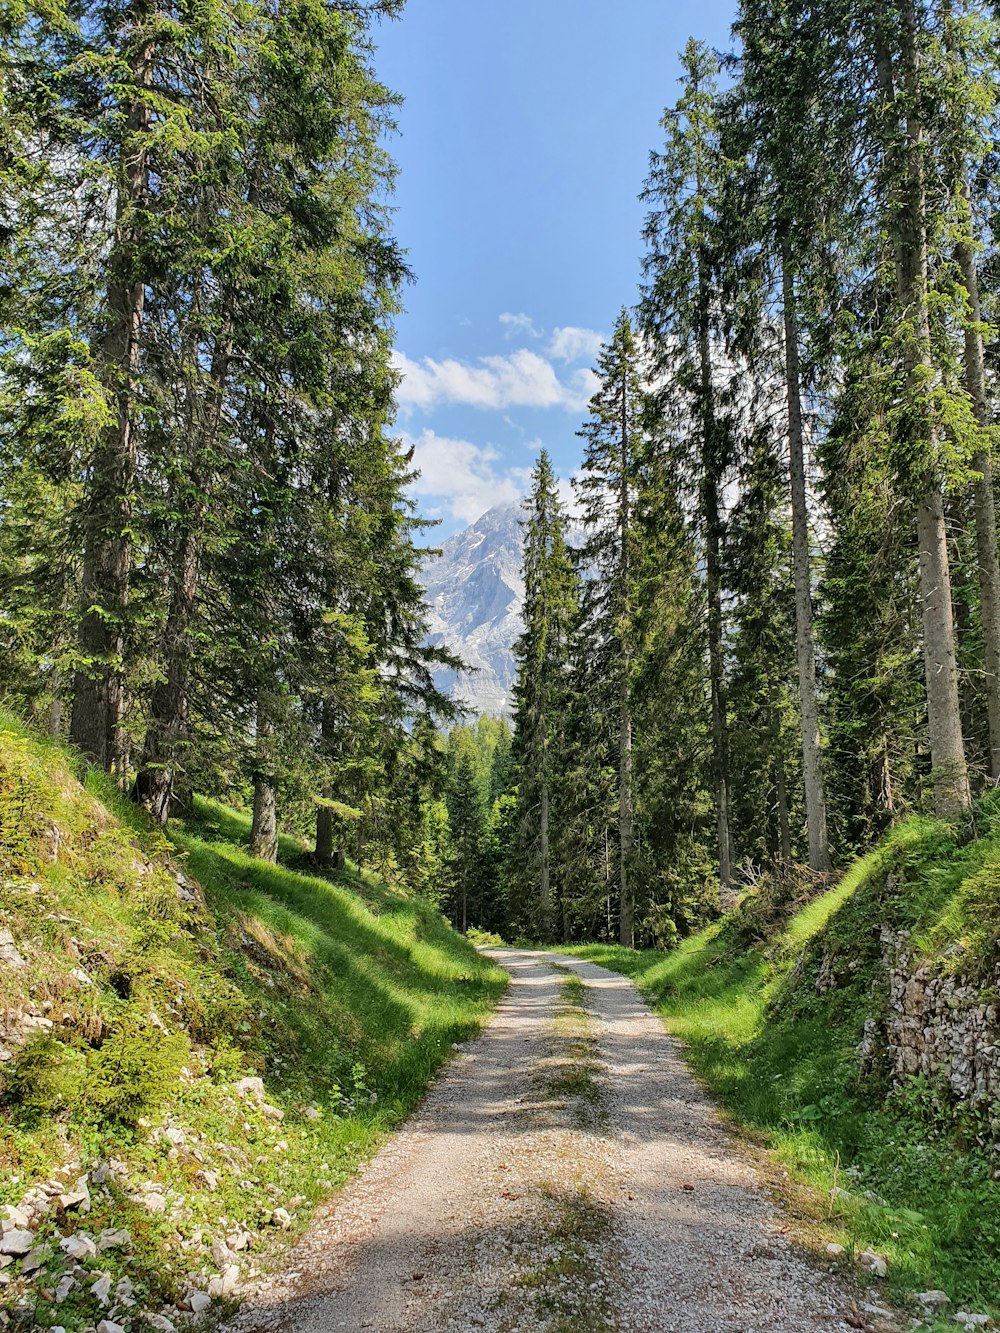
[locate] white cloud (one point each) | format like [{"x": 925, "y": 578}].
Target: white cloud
[
  {"x": 573, "y": 344},
  {"x": 519, "y": 325},
  {"x": 462, "y": 477},
  {"x": 517, "y": 379}
]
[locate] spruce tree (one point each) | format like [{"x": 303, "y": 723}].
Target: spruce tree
[
  {"x": 607, "y": 487},
  {"x": 541, "y": 653},
  {"x": 682, "y": 320}
]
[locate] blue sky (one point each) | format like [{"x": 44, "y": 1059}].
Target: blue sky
[{"x": 523, "y": 144}]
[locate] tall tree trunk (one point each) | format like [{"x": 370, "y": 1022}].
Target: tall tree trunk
[
  {"x": 168, "y": 708},
  {"x": 952, "y": 796},
  {"x": 264, "y": 829},
  {"x": 626, "y": 807},
  {"x": 812, "y": 772},
  {"x": 156, "y": 782},
  {"x": 626, "y": 827},
  {"x": 99, "y": 691},
  {"x": 713, "y": 581},
  {"x": 326, "y": 853},
  {"x": 544, "y": 878},
  {"x": 985, "y": 505}
]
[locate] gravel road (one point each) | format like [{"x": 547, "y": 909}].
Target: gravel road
[{"x": 564, "y": 1175}]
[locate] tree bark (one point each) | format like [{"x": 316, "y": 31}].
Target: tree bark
[
  {"x": 626, "y": 808},
  {"x": 952, "y": 796},
  {"x": 161, "y": 764},
  {"x": 983, "y": 495},
  {"x": 812, "y": 771},
  {"x": 264, "y": 828},
  {"x": 326, "y": 853},
  {"x": 99, "y": 690},
  {"x": 544, "y": 878}
]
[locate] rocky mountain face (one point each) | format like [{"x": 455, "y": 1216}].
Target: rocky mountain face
[{"x": 475, "y": 594}]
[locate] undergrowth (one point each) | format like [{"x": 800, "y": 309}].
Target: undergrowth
[
  {"x": 898, "y": 1169},
  {"x": 138, "y": 1005}
]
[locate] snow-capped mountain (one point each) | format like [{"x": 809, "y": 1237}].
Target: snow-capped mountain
[{"x": 475, "y": 594}]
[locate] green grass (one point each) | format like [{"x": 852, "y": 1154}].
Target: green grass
[
  {"x": 344, "y": 995},
  {"x": 781, "y": 1058}
]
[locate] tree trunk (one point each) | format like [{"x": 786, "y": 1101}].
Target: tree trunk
[
  {"x": 950, "y": 778},
  {"x": 626, "y": 810},
  {"x": 160, "y": 778},
  {"x": 168, "y": 708},
  {"x": 985, "y": 506},
  {"x": 713, "y": 590},
  {"x": 264, "y": 829},
  {"x": 626, "y": 827},
  {"x": 544, "y": 885},
  {"x": 99, "y": 691},
  {"x": 326, "y": 853},
  {"x": 812, "y": 772}
]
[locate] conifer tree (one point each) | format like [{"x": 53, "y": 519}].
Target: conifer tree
[
  {"x": 607, "y": 487},
  {"x": 541, "y": 653},
  {"x": 682, "y": 319}
]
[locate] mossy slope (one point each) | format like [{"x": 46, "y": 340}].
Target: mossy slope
[{"x": 134, "y": 1005}]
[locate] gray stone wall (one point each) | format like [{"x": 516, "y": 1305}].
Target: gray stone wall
[{"x": 938, "y": 1024}]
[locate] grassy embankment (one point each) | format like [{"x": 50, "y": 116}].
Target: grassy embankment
[
  {"x": 145, "y": 1011},
  {"x": 897, "y": 1171}
]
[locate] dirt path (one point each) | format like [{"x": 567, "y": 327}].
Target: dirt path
[{"x": 566, "y": 1174}]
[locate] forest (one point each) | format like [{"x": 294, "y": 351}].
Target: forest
[{"x": 781, "y": 631}]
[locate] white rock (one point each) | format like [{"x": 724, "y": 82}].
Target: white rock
[
  {"x": 968, "y": 1320},
  {"x": 211, "y": 1178},
  {"x": 9, "y": 955},
  {"x": 230, "y": 1279},
  {"x": 199, "y": 1301},
  {"x": 175, "y": 1136},
  {"x": 161, "y": 1323},
  {"x": 107, "y": 1326},
  {"x": 78, "y": 1197},
  {"x": 13, "y": 1219},
  {"x": 282, "y": 1218},
  {"x": 934, "y": 1299},
  {"x": 101, "y": 1289},
  {"x": 834, "y": 1249},
  {"x": 17, "y": 1242},
  {"x": 66, "y": 1284},
  {"x": 80, "y": 1246},
  {"x": 113, "y": 1239},
  {"x": 312, "y": 1113},
  {"x": 222, "y": 1254},
  {"x": 272, "y": 1112},
  {"x": 152, "y": 1200},
  {"x": 251, "y": 1088},
  {"x": 875, "y": 1263},
  {"x": 34, "y": 1260}
]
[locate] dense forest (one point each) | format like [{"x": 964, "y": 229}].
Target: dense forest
[{"x": 782, "y": 629}]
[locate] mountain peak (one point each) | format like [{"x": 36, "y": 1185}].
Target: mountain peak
[{"x": 475, "y": 594}]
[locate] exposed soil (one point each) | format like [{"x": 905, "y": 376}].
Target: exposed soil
[{"x": 565, "y": 1174}]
